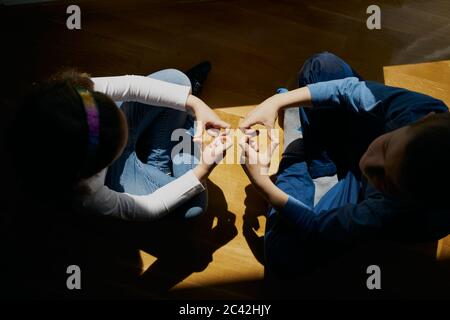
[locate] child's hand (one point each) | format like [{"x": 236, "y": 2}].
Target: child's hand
[
  {"x": 212, "y": 154},
  {"x": 256, "y": 167},
  {"x": 205, "y": 117},
  {"x": 265, "y": 114},
  {"x": 257, "y": 163}
]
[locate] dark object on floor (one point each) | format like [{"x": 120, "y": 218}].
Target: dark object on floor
[{"x": 197, "y": 75}]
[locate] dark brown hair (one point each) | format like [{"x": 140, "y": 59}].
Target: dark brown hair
[
  {"x": 51, "y": 134},
  {"x": 425, "y": 172}
]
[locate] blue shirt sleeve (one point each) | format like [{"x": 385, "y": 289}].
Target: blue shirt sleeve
[
  {"x": 349, "y": 92},
  {"x": 401, "y": 107},
  {"x": 396, "y": 107},
  {"x": 343, "y": 224}
]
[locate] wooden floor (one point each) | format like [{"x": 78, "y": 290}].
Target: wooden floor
[{"x": 255, "y": 46}]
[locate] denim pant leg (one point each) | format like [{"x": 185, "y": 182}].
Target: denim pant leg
[
  {"x": 146, "y": 163},
  {"x": 344, "y": 192},
  {"x": 181, "y": 126},
  {"x": 284, "y": 254},
  {"x": 156, "y": 141},
  {"x": 128, "y": 174},
  {"x": 184, "y": 160},
  {"x": 321, "y": 127}
]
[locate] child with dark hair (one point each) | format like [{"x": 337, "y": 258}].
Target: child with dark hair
[
  {"x": 386, "y": 145},
  {"x": 73, "y": 145}
]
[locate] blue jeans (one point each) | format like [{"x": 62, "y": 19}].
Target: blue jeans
[
  {"x": 285, "y": 253},
  {"x": 146, "y": 164}
]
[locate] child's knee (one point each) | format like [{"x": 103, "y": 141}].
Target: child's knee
[
  {"x": 197, "y": 206},
  {"x": 314, "y": 65},
  {"x": 171, "y": 75},
  {"x": 323, "y": 56},
  {"x": 194, "y": 212}
]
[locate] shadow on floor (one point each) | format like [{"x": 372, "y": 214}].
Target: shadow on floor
[
  {"x": 39, "y": 245},
  {"x": 255, "y": 206},
  {"x": 192, "y": 249}
]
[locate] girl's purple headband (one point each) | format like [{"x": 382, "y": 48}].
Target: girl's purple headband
[{"x": 93, "y": 119}]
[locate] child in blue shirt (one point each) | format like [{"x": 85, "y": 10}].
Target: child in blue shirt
[{"x": 388, "y": 146}]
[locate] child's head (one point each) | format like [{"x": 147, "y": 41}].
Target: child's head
[
  {"x": 412, "y": 161},
  {"x": 51, "y": 133}
]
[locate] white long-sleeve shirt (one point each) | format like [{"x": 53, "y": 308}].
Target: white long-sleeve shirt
[
  {"x": 157, "y": 204},
  {"x": 145, "y": 90}
]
